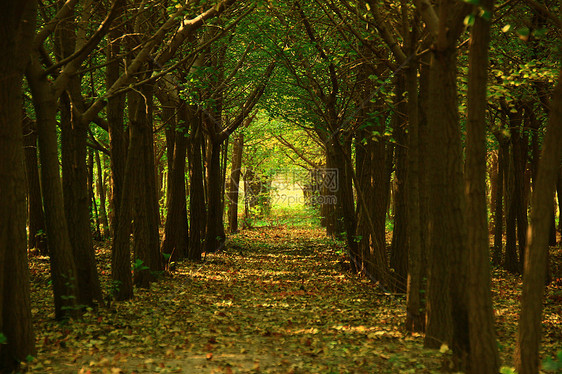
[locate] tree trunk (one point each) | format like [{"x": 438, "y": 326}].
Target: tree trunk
[
  {"x": 197, "y": 209},
  {"x": 483, "y": 344},
  {"x": 400, "y": 240},
  {"x": 75, "y": 184},
  {"x": 559, "y": 194},
  {"x": 77, "y": 200},
  {"x": 380, "y": 158},
  {"x": 520, "y": 145},
  {"x": 511, "y": 262},
  {"x": 363, "y": 172},
  {"x": 100, "y": 187},
  {"x": 117, "y": 136},
  {"x": 213, "y": 238},
  {"x": 175, "y": 241},
  {"x": 146, "y": 217},
  {"x": 334, "y": 220},
  {"x": 91, "y": 194},
  {"x": 498, "y": 208},
  {"x": 224, "y": 165},
  {"x": 552, "y": 232},
  {"x": 234, "y": 183},
  {"x": 35, "y": 214},
  {"x": 447, "y": 319},
  {"x": 492, "y": 174},
  {"x": 63, "y": 268},
  {"x": 424, "y": 169},
  {"x": 122, "y": 281},
  {"x": 17, "y": 20},
  {"x": 414, "y": 308},
  {"x": 528, "y": 342},
  {"x": 344, "y": 194}
]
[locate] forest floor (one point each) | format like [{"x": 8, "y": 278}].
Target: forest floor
[{"x": 275, "y": 300}]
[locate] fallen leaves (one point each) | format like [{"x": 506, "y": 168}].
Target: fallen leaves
[{"x": 282, "y": 305}]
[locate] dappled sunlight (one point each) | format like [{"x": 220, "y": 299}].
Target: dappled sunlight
[
  {"x": 272, "y": 308},
  {"x": 275, "y": 300}
]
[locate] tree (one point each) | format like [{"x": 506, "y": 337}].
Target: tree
[
  {"x": 447, "y": 314},
  {"x": 528, "y": 342},
  {"x": 483, "y": 346},
  {"x": 36, "y": 216},
  {"x": 76, "y": 193},
  {"x": 17, "y": 22},
  {"x": 174, "y": 112},
  {"x": 536, "y": 253},
  {"x": 140, "y": 152},
  {"x": 234, "y": 182}
]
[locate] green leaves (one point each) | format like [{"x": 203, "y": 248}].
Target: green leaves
[
  {"x": 277, "y": 299},
  {"x": 3, "y": 339},
  {"x": 507, "y": 370},
  {"x": 138, "y": 265},
  {"x": 553, "y": 365}
]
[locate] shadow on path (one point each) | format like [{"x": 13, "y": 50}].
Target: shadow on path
[{"x": 273, "y": 301}]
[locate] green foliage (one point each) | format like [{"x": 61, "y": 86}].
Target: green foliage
[
  {"x": 113, "y": 287},
  {"x": 139, "y": 265},
  {"x": 551, "y": 365},
  {"x": 3, "y": 339},
  {"x": 507, "y": 370}
]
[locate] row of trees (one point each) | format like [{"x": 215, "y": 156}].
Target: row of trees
[{"x": 378, "y": 87}]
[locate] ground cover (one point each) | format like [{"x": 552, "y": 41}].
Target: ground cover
[{"x": 276, "y": 299}]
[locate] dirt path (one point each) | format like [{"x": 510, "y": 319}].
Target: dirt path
[{"x": 274, "y": 301}]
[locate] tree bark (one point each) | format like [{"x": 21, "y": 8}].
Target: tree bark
[
  {"x": 498, "y": 208},
  {"x": 511, "y": 262},
  {"x": 529, "y": 336},
  {"x": 91, "y": 194},
  {"x": 483, "y": 344},
  {"x": 35, "y": 214},
  {"x": 381, "y": 156},
  {"x": 559, "y": 194},
  {"x": 100, "y": 187},
  {"x": 76, "y": 190},
  {"x": 414, "y": 307},
  {"x": 520, "y": 146},
  {"x": 117, "y": 136},
  {"x": 516, "y": 221},
  {"x": 175, "y": 241},
  {"x": 424, "y": 169},
  {"x": 334, "y": 219},
  {"x": 77, "y": 204},
  {"x": 213, "y": 238},
  {"x": 400, "y": 241},
  {"x": 363, "y": 172},
  {"x": 345, "y": 201},
  {"x": 122, "y": 281},
  {"x": 234, "y": 183},
  {"x": 447, "y": 318},
  {"x": 17, "y": 21},
  {"x": 146, "y": 240},
  {"x": 197, "y": 209},
  {"x": 63, "y": 268}
]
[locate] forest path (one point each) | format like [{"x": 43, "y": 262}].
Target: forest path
[{"x": 273, "y": 301}]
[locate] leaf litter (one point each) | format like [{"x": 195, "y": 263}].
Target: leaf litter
[{"x": 275, "y": 300}]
